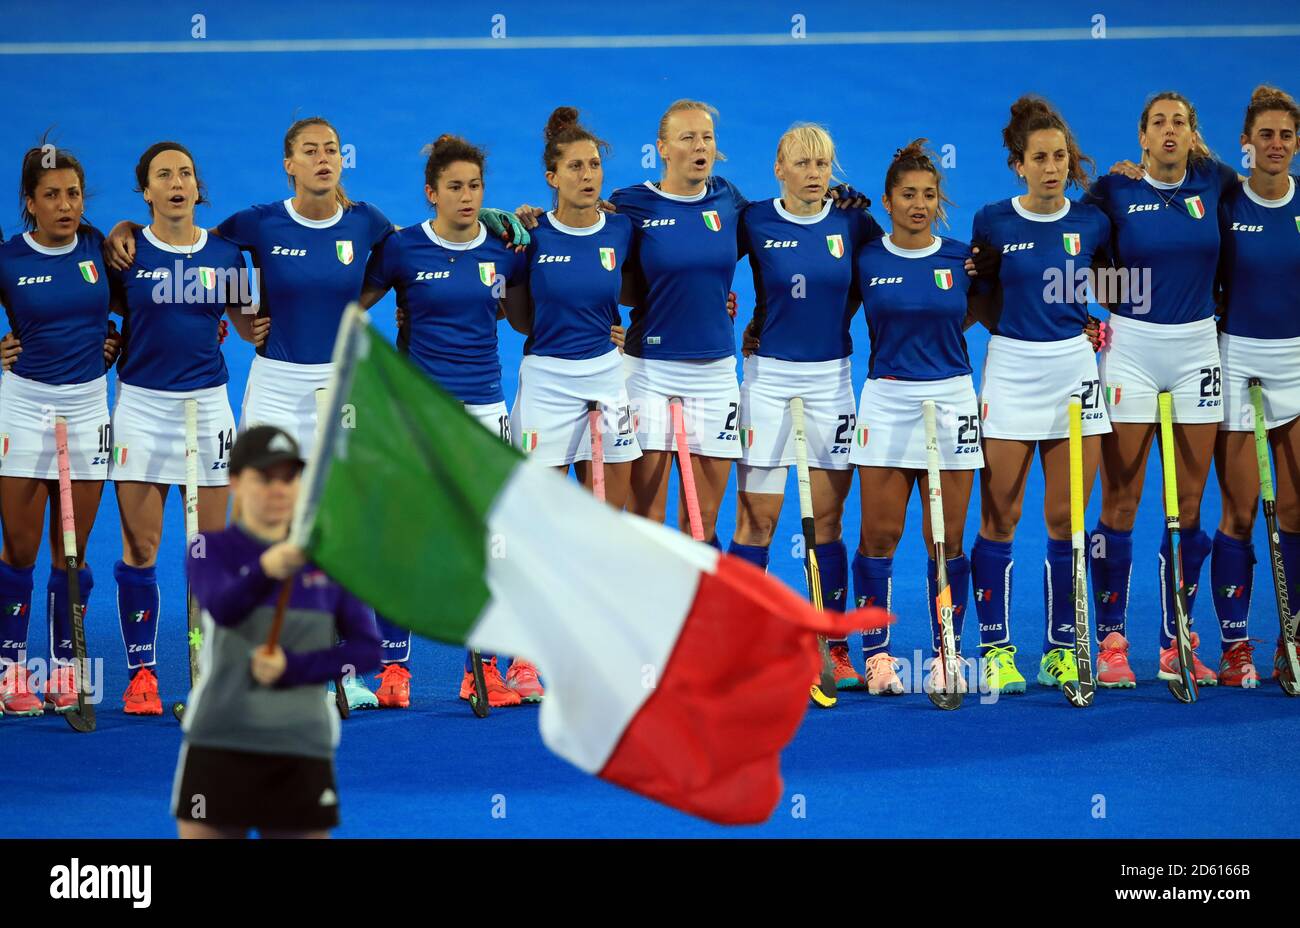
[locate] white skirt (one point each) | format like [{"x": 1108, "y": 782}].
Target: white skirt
[
  {"x": 1026, "y": 388},
  {"x": 1276, "y": 362},
  {"x": 28, "y": 409},
  {"x": 149, "y": 435},
  {"x": 891, "y": 430},
  {"x": 710, "y": 400},
  {"x": 1146, "y": 358},
  {"x": 549, "y": 418},
  {"x": 493, "y": 417},
  {"x": 283, "y": 394},
  {"x": 826, "y": 387}
]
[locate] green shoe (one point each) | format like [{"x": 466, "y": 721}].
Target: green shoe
[
  {"x": 1058, "y": 666},
  {"x": 358, "y": 694},
  {"x": 1000, "y": 673}
]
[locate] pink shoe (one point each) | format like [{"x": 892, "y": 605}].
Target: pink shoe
[
  {"x": 61, "y": 692},
  {"x": 522, "y": 678},
  {"x": 1112, "y": 663},
  {"x": 15, "y": 697},
  {"x": 1169, "y": 664},
  {"x": 882, "y": 675}
]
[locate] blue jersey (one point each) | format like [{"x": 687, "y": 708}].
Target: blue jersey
[
  {"x": 1169, "y": 234},
  {"x": 803, "y": 277},
  {"x": 1260, "y": 264},
  {"x": 446, "y": 289},
  {"x": 57, "y": 301},
  {"x": 574, "y": 278},
  {"x": 309, "y": 270},
  {"x": 915, "y": 304},
  {"x": 1039, "y": 294},
  {"x": 172, "y": 300},
  {"x": 683, "y": 258}
]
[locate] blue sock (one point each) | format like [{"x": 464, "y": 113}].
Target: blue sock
[
  {"x": 833, "y": 565},
  {"x": 991, "y": 563},
  {"x": 56, "y": 605},
  {"x": 137, "y": 612},
  {"x": 1232, "y": 574},
  {"x": 394, "y": 641},
  {"x": 1058, "y": 595},
  {"x": 1196, "y": 547},
  {"x": 959, "y": 585},
  {"x": 15, "y": 610},
  {"x": 755, "y": 554},
  {"x": 1289, "y": 545},
  {"x": 873, "y": 585},
  {"x": 1111, "y": 558}
]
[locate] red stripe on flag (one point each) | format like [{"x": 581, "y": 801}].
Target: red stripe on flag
[{"x": 708, "y": 741}]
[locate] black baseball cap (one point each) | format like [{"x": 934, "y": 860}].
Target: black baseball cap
[{"x": 262, "y": 447}]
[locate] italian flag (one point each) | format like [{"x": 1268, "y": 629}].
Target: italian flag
[
  {"x": 1195, "y": 207},
  {"x": 712, "y": 220},
  {"x": 671, "y": 669},
  {"x": 943, "y": 279}
]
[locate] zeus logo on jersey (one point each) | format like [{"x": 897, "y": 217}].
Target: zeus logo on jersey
[
  {"x": 648, "y": 223},
  {"x": 157, "y": 274},
  {"x": 24, "y": 281},
  {"x": 885, "y": 280},
  {"x": 1242, "y": 227},
  {"x": 291, "y": 252},
  {"x": 774, "y": 243},
  {"x": 553, "y": 259},
  {"x": 1021, "y": 246},
  {"x": 431, "y": 275},
  {"x": 1143, "y": 207}
]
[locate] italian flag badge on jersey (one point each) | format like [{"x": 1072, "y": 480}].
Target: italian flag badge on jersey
[
  {"x": 862, "y": 436},
  {"x": 4, "y": 444},
  {"x": 713, "y": 220},
  {"x": 89, "y": 272},
  {"x": 836, "y": 244},
  {"x": 1297, "y": 223},
  {"x": 607, "y": 259},
  {"x": 1195, "y": 207},
  {"x": 207, "y": 278},
  {"x": 747, "y": 436},
  {"x": 528, "y": 440},
  {"x": 487, "y": 272},
  {"x": 344, "y": 251},
  {"x": 1072, "y": 244},
  {"x": 119, "y": 455},
  {"x": 943, "y": 278},
  {"x": 1113, "y": 391}
]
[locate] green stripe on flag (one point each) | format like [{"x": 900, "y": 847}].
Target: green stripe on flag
[{"x": 401, "y": 520}]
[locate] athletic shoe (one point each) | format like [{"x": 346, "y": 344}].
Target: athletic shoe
[
  {"x": 15, "y": 697},
  {"x": 61, "y": 691},
  {"x": 358, "y": 694},
  {"x": 1169, "y": 664},
  {"x": 499, "y": 695},
  {"x": 1057, "y": 667},
  {"x": 1237, "y": 666},
  {"x": 522, "y": 678},
  {"x": 394, "y": 687},
  {"x": 1112, "y": 663},
  {"x": 1000, "y": 673},
  {"x": 1281, "y": 665},
  {"x": 141, "y": 696},
  {"x": 846, "y": 676},
  {"x": 882, "y": 675},
  {"x": 935, "y": 682}
]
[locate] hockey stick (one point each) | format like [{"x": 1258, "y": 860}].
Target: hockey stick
[
  {"x": 597, "y": 451},
  {"x": 194, "y": 631},
  {"x": 1285, "y": 617},
  {"x": 83, "y": 719},
  {"x": 1184, "y": 685},
  {"x": 684, "y": 465},
  {"x": 950, "y": 696},
  {"x": 1080, "y": 692},
  {"x": 823, "y": 690},
  {"x": 322, "y": 415}
]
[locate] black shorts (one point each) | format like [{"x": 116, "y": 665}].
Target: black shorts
[{"x": 282, "y": 792}]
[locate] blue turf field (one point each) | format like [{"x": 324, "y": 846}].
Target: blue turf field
[{"x": 1026, "y": 766}]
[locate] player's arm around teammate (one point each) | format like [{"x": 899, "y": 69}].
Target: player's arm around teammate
[
  {"x": 916, "y": 298},
  {"x": 54, "y": 292},
  {"x": 801, "y": 252},
  {"x": 566, "y": 304},
  {"x": 1260, "y": 338},
  {"x": 1165, "y": 244},
  {"x": 172, "y": 299},
  {"x": 1037, "y": 358}
]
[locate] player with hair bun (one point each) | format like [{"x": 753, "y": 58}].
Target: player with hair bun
[
  {"x": 1038, "y": 356},
  {"x": 1260, "y": 338},
  {"x": 798, "y": 345}
]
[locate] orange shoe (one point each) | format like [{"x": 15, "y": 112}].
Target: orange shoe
[
  {"x": 1169, "y": 669},
  {"x": 61, "y": 691},
  {"x": 141, "y": 696},
  {"x": 1237, "y": 666},
  {"x": 394, "y": 687},
  {"x": 846, "y": 676},
  {"x": 522, "y": 678},
  {"x": 499, "y": 695},
  {"x": 15, "y": 697}
]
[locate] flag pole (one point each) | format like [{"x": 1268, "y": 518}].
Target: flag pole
[{"x": 346, "y": 351}]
